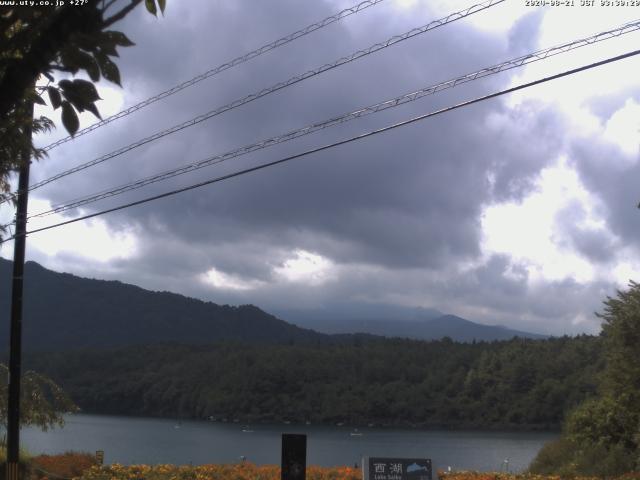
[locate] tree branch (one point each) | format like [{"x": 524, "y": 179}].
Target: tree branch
[
  {"x": 60, "y": 68},
  {"x": 106, "y": 7},
  {"x": 122, "y": 13},
  {"x": 20, "y": 74}
]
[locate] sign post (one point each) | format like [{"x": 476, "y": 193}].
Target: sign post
[
  {"x": 377, "y": 468},
  {"x": 294, "y": 456}
]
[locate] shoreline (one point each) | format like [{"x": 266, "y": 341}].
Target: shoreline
[{"x": 435, "y": 427}]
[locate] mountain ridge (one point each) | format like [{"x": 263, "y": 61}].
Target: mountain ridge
[
  {"x": 64, "y": 311},
  {"x": 427, "y": 328}
]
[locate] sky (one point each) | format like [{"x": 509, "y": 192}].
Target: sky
[{"x": 519, "y": 211}]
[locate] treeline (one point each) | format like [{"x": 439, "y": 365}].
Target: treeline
[
  {"x": 601, "y": 437},
  {"x": 517, "y": 383}
]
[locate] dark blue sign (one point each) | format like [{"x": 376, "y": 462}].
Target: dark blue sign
[{"x": 376, "y": 468}]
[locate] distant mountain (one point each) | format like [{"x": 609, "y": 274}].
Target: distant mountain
[
  {"x": 420, "y": 324},
  {"x": 465, "y": 331},
  {"x": 64, "y": 311},
  {"x": 357, "y": 312}
]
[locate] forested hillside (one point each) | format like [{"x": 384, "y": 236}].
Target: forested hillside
[
  {"x": 517, "y": 383},
  {"x": 64, "y": 311}
]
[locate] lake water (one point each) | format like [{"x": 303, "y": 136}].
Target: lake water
[{"x": 130, "y": 440}]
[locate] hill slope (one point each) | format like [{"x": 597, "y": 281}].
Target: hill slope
[{"x": 65, "y": 311}]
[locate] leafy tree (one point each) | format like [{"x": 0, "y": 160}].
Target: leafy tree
[
  {"x": 605, "y": 431},
  {"x": 38, "y": 42},
  {"x": 612, "y": 421},
  {"x": 42, "y": 401}
]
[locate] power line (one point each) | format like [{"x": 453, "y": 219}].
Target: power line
[
  {"x": 391, "y": 103},
  {"x": 335, "y": 144},
  {"x": 221, "y": 68},
  {"x": 274, "y": 88}
]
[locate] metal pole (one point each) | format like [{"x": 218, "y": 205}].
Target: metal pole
[{"x": 15, "y": 338}]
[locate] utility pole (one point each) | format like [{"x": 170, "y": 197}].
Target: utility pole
[{"x": 15, "y": 338}]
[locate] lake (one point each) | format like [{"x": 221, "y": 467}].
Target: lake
[{"x": 131, "y": 440}]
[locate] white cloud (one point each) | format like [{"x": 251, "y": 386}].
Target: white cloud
[
  {"x": 306, "y": 268},
  {"x": 302, "y": 268},
  {"x": 626, "y": 270},
  {"x": 570, "y": 94},
  {"x": 224, "y": 281},
  {"x": 623, "y": 129},
  {"x": 528, "y": 233},
  {"x": 91, "y": 240}
]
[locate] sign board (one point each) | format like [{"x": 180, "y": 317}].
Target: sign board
[
  {"x": 377, "y": 468},
  {"x": 99, "y": 457}
]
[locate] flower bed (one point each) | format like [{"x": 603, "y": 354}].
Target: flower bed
[
  {"x": 66, "y": 465},
  {"x": 82, "y": 466},
  {"x": 243, "y": 471},
  {"x": 522, "y": 476}
]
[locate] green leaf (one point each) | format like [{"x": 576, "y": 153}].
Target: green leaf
[
  {"x": 65, "y": 84},
  {"x": 86, "y": 90},
  {"x": 151, "y": 6},
  {"x": 118, "y": 38},
  {"x": 54, "y": 96},
  {"x": 73, "y": 57},
  {"x": 82, "y": 94},
  {"x": 108, "y": 68},
  {"x": 71, "y": 94},
  {"x": 86, "y": 42},
  {"x": 162, "y": 4},
  {"x": 108, "y": 47},
  {"x": 93, "y": 109},
  {"x": 86, "y": 95},
  {"x": 38, "y": 99},
  {"x": 93, "y": 72},
  {"x": 91, "y": 67},
  {"x": 70, "y": 118}
]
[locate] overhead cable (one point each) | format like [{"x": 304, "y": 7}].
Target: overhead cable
[
  {"x": 274, "y": 88},
  {"x": 387, "y": 104},
  {"x": 221, "y": 68},
  {"x": 332, "y": 145}
]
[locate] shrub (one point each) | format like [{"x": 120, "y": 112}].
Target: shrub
[
  {"x": 66, "y": 465},
  {"x": 555, "y": 457}
]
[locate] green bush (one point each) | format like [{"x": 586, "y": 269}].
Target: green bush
[
  {"x": 604, "y": 461},
  {"x": 554, "y": 457},
  {"x": 569, "y": 459}
]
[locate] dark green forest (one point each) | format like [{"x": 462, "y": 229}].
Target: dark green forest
[
  {"x": 508, "y": 384},
  {"x": 65, "y": 311}
]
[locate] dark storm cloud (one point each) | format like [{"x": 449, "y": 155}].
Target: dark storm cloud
[
  {"x": 395, "y": 214},
  {"x": 612, "y": 176},
  {"x": 610, "y": 173},
  {"x": 407, "y": 181},
  {"x": 528, "y": 139}
]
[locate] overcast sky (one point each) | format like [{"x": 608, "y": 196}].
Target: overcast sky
[{"x": 518, "y": 211}]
